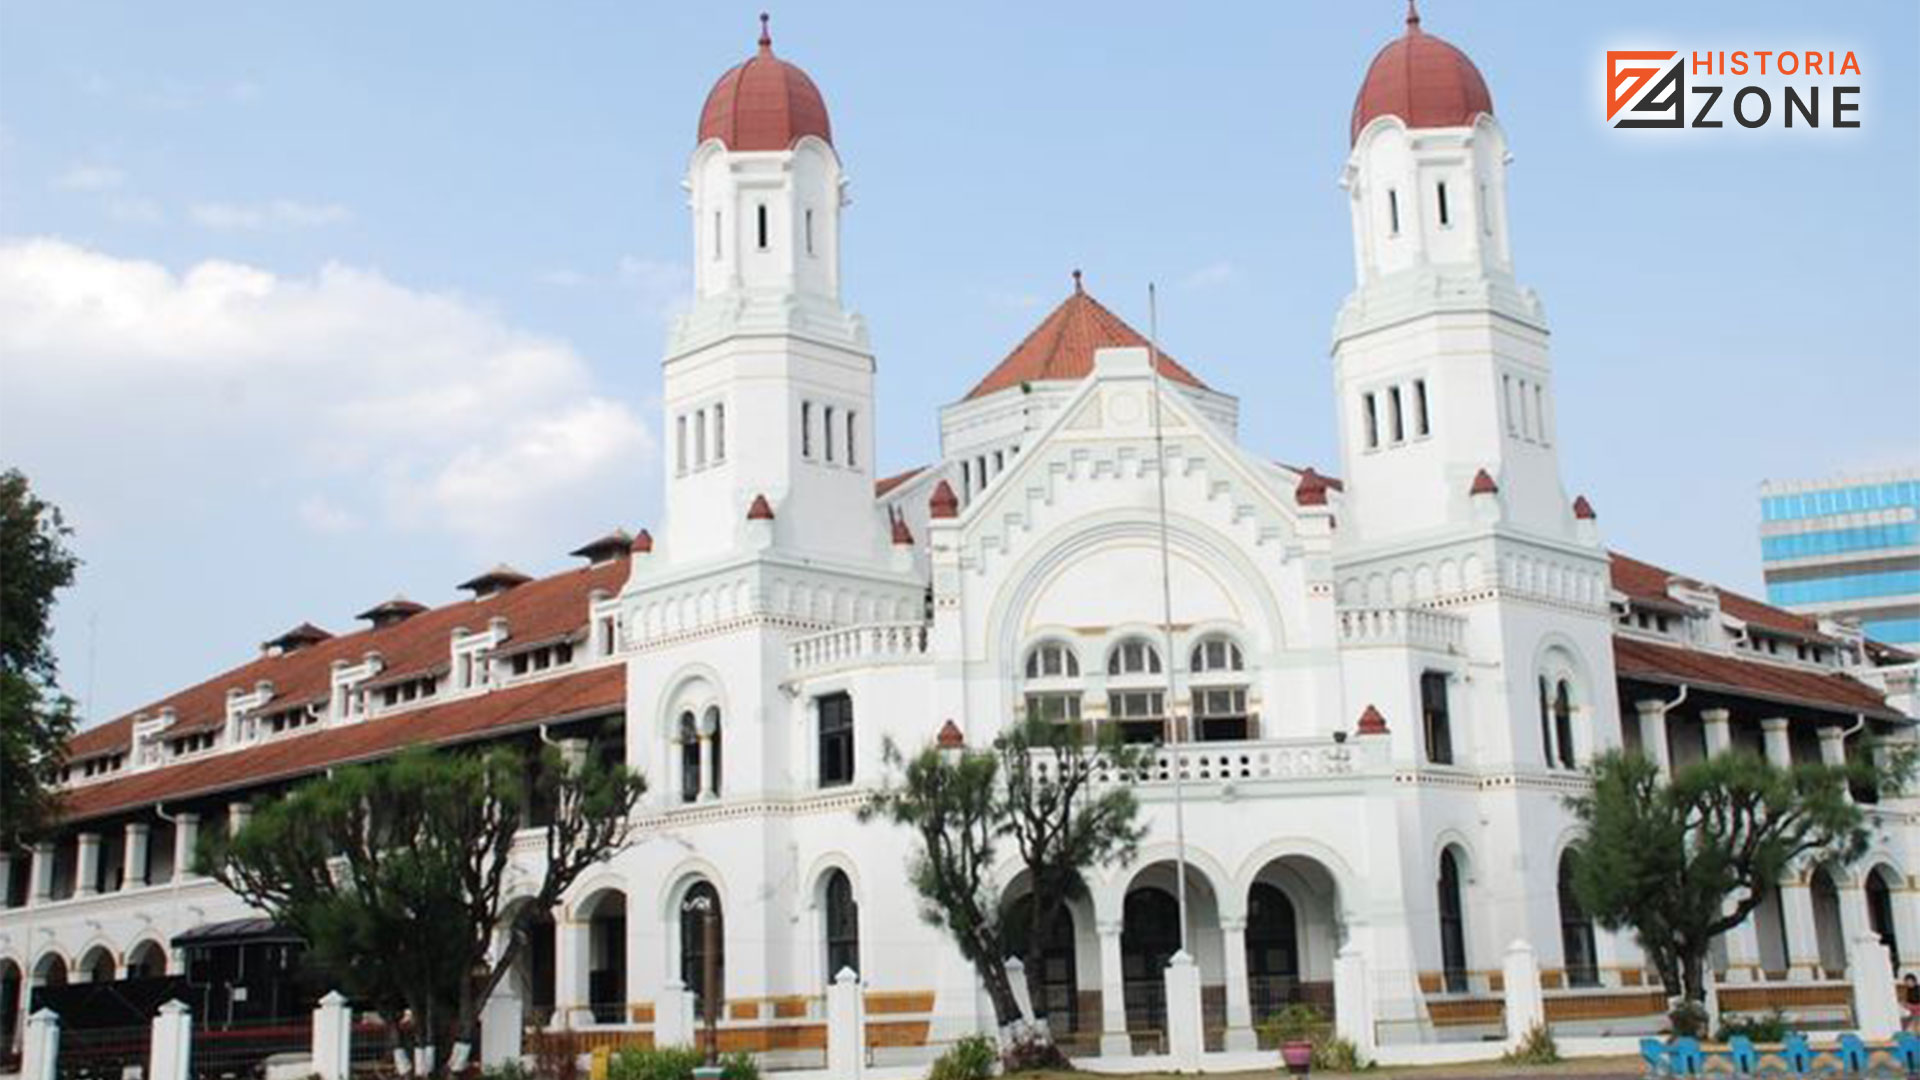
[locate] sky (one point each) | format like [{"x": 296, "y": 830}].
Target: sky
[{"x": 303, "y": 306}]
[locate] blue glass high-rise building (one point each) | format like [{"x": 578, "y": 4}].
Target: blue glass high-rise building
[{"x": 1847, "y": 546}]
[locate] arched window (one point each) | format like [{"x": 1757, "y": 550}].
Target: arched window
[
  {"x": 1052, "y": 983},
  {"x": 1563, "y": 721},
  {"x": 1546, "y": 722},
  {"x": 843, "y": 925},
  {"x": 1273, "y": 950},
  {"x": 1453, "y": 925},
  {"x": 1436, "y": 717},
  {"x": 713, "y": 750},
  {"x": 703, "y": 945},
  {"x": 1577, "y": 950},
  {"x": 146, "y": 960},
  {"x": 1137, "y": 704},
  {"x": 689, "y": 738},
  {"x": 1051, "y": 666},
  {"x": 12, "y": 994},
  {"x": 1219, "y": 689},
  {"x": 836, "y": 739},
  {"x": 1880, "y": 912}
]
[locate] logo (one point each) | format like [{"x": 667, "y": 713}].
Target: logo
[{"x": 1806, "y": 89}]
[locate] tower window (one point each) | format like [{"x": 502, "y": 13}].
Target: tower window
[
  {"x": 1438, "y": 723},
  {"x": 809, "y": 232},
  {"x": 1506, "y": 395},
  {"x": 700, "y": 439},
  {"x": 1446, "y": 219},
  {"x": 1486, "y": 211},
  {"x": 826, "y": 429},
  {"x": 761, "y": 217},
  {"x": 1393, "y": 412},
  {"x": 852, "y": 417},
  {"x": 836, "y": 739},
  {"x": 1420, "y": 423},
  {"x": 806, "y": 429},
  {"x": 1540, "y": 411},
  {"x": 716, "y": 236},
  {"x": 719, "y": 432},
  {"x": 680, "y": 444},
  {"x": 1393, "y": 212},
  {"x": 1373, "y": 421}
]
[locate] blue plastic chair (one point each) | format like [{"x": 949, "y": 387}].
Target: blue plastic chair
[
  {"x": 1654, "y": 1053},
  {"x": 1906, "y": 1051},
  {"x": 1797, "y": 1056},
  {"x": 1854, "y": 1055},
  {"x": 1745, "y": 1059},
  {"x": 1685, "y": 1058}
]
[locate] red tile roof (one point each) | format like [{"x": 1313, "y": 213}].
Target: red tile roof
[
  {"x": 1424, "y": 81},
  {"x": 764, "y": 104},
  {"x": 1830, "y": 691},
  {"x": 1062, "y": 347},
  {"x": 540, "y": 609},
  {"x": 1645, "y": 581},
  {"x": 586, "y": 693},
  {"x": 885, "y": 485}
]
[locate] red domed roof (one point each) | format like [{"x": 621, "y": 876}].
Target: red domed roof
[
  {"x": 1422, "y": 80},
  {"x": 764, "y": 104}
]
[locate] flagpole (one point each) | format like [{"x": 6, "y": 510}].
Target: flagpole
[{"x": 1171, "y": 722}]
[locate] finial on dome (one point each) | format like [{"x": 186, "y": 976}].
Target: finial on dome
[
  {"x": 1413, "y": 18},
  {"x": 1076, "y": 282},
  {"x": 766, "y": 35}
]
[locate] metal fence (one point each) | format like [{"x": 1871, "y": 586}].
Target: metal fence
[
  {"x": 243, "y": 1051},
  {"x": 102, "y": 1053}
]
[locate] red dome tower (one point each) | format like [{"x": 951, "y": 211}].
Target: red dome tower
[
  {"x": 764, "y": 104},
  {"x": 1423, "y": 80}
]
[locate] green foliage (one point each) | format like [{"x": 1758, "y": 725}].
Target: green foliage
[
  {"x": 1686, "y": 860},
  {"x": 1331, "y": 1053},
  {"x": 1687, "y": 1019},
  {"x": 1536, "y": 1048},
  {"x": 1036, "y": 790},
  {"x": 394, "y": 872},
  {"x": 1301, "y": 1022},
  {"x": 1768, "y": 1027},
  {"x": 35, "y": 717},
  {"x": 972, "y": 1058},
  {"x": 675, "y": 1063},
  {"x": 508, "y": 1070}
]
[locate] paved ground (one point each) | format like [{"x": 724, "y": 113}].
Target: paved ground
[{"x": 1618, "y": 1068}]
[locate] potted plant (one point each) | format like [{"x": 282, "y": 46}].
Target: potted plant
[{"x": 1293, "y": 1029}]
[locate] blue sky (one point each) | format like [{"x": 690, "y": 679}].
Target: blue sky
[{"x": 300, "y": 307}]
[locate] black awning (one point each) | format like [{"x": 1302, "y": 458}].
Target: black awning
[{"x": 237, "y": 932}]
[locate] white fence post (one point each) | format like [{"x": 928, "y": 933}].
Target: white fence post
[
  {"x": 1526, "y": 1007},
  {"x": 172, "y": 1042},
  {"x": 1353, "y": 1000},
  {"x": 1876, "y": 1009},
  {"x": 1184, "y": 1029},
  {"x": 846, "y": 1027},
  {"x": 673, "y": 1016},
  {"x": 503, "y": 1022},
  {"x": 1022, "y": 993},
  {"x": 332, "y": 1037},
  {"x": 40, "y": 1053}
]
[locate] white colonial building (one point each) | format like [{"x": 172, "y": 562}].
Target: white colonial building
[{"x": 1376, "y": 692}]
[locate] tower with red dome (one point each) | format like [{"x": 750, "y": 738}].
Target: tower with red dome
[
  {"x": 1441, "y": 355},
  {"x": 768, "y": 377}
]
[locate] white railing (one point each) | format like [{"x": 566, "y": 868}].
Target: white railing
[
  {"x": 1420, "y": 628},
  {"x": 857, "y": 646},
  {"x": 1213, "y": 763}
]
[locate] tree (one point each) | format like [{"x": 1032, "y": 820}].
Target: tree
[
  {"x": 35, "y": 717},
  {"x": 1036, "y": 788},
  {"x": 396, "y": 872},
  {"x": 1683, "y": 862}
]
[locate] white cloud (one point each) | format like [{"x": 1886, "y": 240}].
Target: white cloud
[
  {"x": 1212, "y": 275},
  {"x": 379, "y": 404},
  {"x": 85, "y": 177},
  {"x": 276, "y": 214}
]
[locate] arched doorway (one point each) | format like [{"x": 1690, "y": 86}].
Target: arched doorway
[
  {"x": 606, "y": 916},
  {"x": 1453, "y": 924},
  {"x": 533, "y": 971},
  {"x": 1880, "y": 909},
  {"x": 146, "y": 960},
  {"x": 703, "y": 945},
  {"x": 841, "y": 924},
  {"x": 96, "y": 965},
  {"x": 12, "y": 986},
  {"x": 1053, "y": 985},
  {"x": 1149, "y": 937},
  {"x": 1273, "y": 950},
  {"x": 1827, "y": 928},
  {"x": 1578, "y": 954}
]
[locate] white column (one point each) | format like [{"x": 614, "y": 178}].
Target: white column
[
  {"x": 6, "y": 877},
  {"x": 1833, "y": 746},
  {"x": 1233, "y": 939},
  {"x": 42, "y": 874},
  {"x": 1113, "y": 995},
  {"x": 572, "y": 938},
  {"x": 1718, "y": 724},
  {"x": 1853, "y": 917},
  {"x": 1876, "y": 1009},
  {"x": 40, "y": 1053},
  {"x": 673, "y": 1015},
  {"x": 172, "y": 1043},
  {"x": 332, "y": 1038},
  {"x": 86, "y": 871},
  {"x": 846, "y": 1027},
  {"x": 1773, "y": 731},
  {"x": 706, "y": 766},
  {"x": 186, "y": 837},
  {"x": 1803, "y": 944},
  {"x": 1185, "y": 1028},
  {"x": 1352, "y": 1000},
  {"x": 1017, "y": 982},
  {"x": 1525, "y": 1004},
  {"x": 1743, "y": 950},
  {"x": 134, "y": 866},
  {"x": 238, "y": 815},
  {"x": 1653, "y": 733}
]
